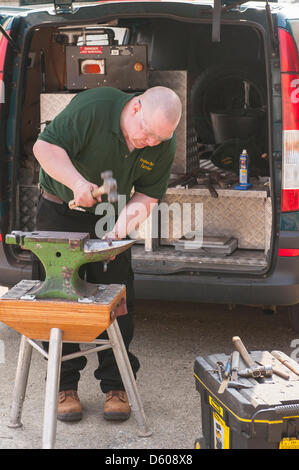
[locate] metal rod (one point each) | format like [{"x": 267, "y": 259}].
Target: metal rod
[
  {"x": 67, "y": 357},
  {"x": 128, "y": 378},
  {"x": 95, "y": 341},
  {"x": 20, "y": 386},
  {"x": 37, "y": 347},
  {"x": 52, "y": 386}
]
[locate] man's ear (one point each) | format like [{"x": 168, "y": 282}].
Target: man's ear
[{"x": 135, "y": 106}]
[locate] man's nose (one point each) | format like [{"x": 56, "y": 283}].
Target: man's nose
[{"x": 152, "y": 141}]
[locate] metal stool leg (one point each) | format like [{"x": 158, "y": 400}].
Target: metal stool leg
[
  {"x": 19, "y": 391},
  {"x": 52, "y": 386},
  {"x": 128, "y": 378}
]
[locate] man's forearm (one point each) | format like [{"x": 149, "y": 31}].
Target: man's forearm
[{"x": 55, "y": 161}]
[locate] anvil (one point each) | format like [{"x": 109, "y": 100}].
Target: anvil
[{"x": 62, "y": 254}]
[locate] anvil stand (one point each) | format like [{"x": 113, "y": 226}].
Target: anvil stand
[{"x": 55, "y": 319}]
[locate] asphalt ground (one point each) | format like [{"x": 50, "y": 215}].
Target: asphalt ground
[{"x": 168, "y": 338}]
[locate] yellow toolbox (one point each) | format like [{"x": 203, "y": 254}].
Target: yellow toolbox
[{"x": 261, "y": 413}]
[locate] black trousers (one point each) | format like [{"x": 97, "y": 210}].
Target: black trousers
[{"x": 58, "y": 217}]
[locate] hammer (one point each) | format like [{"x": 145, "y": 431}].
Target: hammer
[
  {"x": 109, "y": 187},
  {"x": 250, "y": 362},
  {"x": 257, "y": 371}
]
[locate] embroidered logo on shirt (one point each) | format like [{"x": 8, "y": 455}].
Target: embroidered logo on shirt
[{"x": 146, "y": 165}]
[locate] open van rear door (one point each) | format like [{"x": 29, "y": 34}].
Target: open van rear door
[
  {"x": 66, "y": 6},
  {"x": 225, "y": 5},
  {"x": 6, "y": 41}
]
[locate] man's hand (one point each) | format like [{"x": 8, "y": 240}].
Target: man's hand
[
  {"x": 111, "y": 236},
  {"x": 82, "y": 190}
]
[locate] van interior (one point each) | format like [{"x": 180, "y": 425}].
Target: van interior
[{"x": 226, "y": 110}]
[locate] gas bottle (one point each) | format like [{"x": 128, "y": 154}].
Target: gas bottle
[{"x": 244, "y": 171}]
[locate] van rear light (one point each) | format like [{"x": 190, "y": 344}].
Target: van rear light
[
  {"x": 290, "y": 200},
  {"x": 288, "y": 252},
  {"x": 1, "y": 238},
  {"x": 289, "y": 59}
]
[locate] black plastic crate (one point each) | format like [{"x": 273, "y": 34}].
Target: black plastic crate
[{"x": 264, "y": 416}]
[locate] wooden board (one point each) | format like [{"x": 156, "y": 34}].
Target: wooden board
[{"x": 78, "y": 321}]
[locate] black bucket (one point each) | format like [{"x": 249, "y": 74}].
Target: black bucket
[{"x": 237, "y": 123}]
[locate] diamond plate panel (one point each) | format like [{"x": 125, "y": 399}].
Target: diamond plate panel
[
  {"x": 245, "y": 215},
  {"x": 268, "y": 224},
  {"x": 241, "y": 217},
  {"x": 52, "y": 104},
  {"x": 28, "y": 199}
]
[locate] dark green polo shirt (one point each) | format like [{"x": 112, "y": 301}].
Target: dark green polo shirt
[{"x": 89, "y": 131}]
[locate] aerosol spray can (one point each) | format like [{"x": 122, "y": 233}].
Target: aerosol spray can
[{"x": 244, "y": 171}]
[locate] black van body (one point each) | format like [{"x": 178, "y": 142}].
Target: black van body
[{"x": 227, "y": 62}]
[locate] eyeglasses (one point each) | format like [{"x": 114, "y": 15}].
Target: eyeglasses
[{"x": 149, "y": 133}]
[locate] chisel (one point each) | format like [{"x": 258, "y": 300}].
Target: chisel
[
  {"x": 235, "y": 365},
  {"x": 227, "y": 372}
]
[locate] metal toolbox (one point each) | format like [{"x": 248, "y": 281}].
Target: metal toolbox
[{"x": 123, "y": 67}]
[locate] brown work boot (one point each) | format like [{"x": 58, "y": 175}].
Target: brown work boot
[
  {"x": 69, "y": 406},
  {"x": 117, "y": 406}
]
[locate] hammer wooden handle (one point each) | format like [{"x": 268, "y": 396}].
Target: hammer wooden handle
[
  {"x": 98, "y": 192},
  {"x": 95, "y": 193},
  {"x": 243, "y": 351}
]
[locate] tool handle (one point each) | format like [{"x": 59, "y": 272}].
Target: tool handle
[
  {"x": 228, "y": 367},
  {"x": 243, "y": 351},
  {"x": 281, "y": 374},
  {"x": 95, "y": 193},
  {"x": 286, "y": 361}
]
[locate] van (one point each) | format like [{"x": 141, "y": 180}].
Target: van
[{"x": 214, "y": 237}]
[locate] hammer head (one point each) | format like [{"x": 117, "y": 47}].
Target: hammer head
[
  {"x": 110, "y": 186},
  {"x": 257, "y": 371}
]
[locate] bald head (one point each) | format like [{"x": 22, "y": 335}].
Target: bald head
[
  {"x": 150, "y": 118},
  {"x": 163, "y": 101}
]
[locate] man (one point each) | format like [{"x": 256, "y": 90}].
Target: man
[{"x": 133, "y": 136}]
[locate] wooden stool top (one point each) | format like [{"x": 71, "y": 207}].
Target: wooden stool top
[{"x": 82, "y": 320}]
